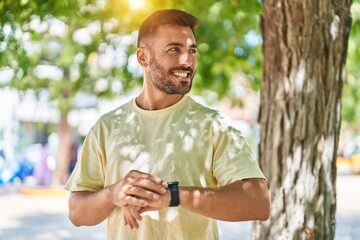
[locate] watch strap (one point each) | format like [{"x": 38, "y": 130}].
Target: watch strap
[{"x": 174, "y": 192}]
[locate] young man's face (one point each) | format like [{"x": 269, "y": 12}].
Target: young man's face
[{"x": 172, "y": 62}]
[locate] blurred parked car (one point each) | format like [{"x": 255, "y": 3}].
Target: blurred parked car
[
  {"x": 13, "y": 172},
  {"x": 350, "y": 156}
]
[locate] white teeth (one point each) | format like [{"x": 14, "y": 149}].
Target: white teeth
[{"x": 182, "y": 75}]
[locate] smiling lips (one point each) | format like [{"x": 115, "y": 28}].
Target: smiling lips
[{"x": 181, "y": 74}]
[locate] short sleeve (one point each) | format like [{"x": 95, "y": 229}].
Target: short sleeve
[
  {"x": 88, "y": 174},
  {"x": 233, "y": 159}
]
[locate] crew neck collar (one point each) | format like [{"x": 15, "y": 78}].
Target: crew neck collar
[{"x": 171, "y": 108}]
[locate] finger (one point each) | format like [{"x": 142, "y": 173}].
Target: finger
[
  {"x": 132, "y": 200},
  {"x": 126, "y": 221},
  {"x": 145, "y": 209},
  {"x": 141, "y": 193},
  {"x": 149, "y": 185},
  {"x": 150, "y": 177},
  {"x": 142, "y": 188},
  {"x": 127, "y": 218},
  {"x": 132, "y": 221},
  {"x": 134, "y": 212}
]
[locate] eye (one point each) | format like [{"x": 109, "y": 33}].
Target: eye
[
  {"x": 174, "y": 49},
  {"x": 193, "y": 51}
]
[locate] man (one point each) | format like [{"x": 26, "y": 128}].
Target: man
[{"x": 162, "y": 136}]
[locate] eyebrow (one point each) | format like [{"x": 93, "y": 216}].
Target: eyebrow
[{"x": 180, "y": 45}]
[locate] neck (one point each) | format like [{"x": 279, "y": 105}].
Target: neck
[{"x": 148, "y": 100}]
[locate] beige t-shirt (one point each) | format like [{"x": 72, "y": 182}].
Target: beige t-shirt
[{"x": 186, "y": 142}]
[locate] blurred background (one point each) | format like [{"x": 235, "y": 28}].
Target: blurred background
[{"x": 65, "y": 63}]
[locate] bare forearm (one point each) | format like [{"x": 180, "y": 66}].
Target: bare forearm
[
  {"x": 239, "y": 201},
  {"x": 90, "y": 208},
  {"x": 137, "y": 189}
]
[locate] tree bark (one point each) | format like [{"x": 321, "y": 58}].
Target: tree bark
[
  {"x": 304, "y": 52},
  {"x": 61, "y": 172}
]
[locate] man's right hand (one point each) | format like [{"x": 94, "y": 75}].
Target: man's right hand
[{"x": 137, "y": 189}]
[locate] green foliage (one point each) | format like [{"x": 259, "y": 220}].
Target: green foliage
[
  {"x": 43, "y": 34},
  {"x": 223, "y": 46},
  {"x": 29, "y": 39},
  {"x": 223, "y": 49},
  {"x": 351, "y": 90},
  {"x": 22, "y": 12},
  {"x": 228, "y": 40}
]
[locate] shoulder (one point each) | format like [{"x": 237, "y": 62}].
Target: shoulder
[
  {"x": 217, "y": 119},
  {"x": 198, "y": 108},
  {"x": 108, "y": 119}
]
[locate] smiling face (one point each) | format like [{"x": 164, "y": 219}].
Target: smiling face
[{"x": 170, "y": 61}]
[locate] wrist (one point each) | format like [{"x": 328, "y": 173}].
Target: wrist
[
  {"x": 109, "y": 195},
  {"x": 183, "y": 195}
]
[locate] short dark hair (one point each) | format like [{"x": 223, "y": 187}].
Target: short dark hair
[{"x": 166, "y": 16}]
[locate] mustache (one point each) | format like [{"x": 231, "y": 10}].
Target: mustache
[{"x": 188, "y": 69}]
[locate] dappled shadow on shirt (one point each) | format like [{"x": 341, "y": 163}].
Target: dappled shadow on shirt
[
  {"x": 197, "y": 146},
  {"x": 191, "y": 144}
]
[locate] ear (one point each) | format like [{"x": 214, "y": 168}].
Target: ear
[{"x": 141, "y": 56}]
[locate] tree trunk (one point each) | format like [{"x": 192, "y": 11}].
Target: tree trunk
[
  {"x": 61, "y": 172},
  {"x": 304, "y": 51}
]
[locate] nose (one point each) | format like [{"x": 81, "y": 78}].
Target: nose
[{"x": 187, "y": 59}]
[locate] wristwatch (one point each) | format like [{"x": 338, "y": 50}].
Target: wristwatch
[{"x": 174, "y": 191}]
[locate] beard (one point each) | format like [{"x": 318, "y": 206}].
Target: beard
[{"x": 162, "y": 78}]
